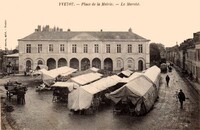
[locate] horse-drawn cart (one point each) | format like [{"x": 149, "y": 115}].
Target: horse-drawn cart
[{"x": 15, "y": 88}]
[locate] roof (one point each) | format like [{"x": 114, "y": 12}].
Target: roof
[
  {"x": 86, "y": 78},
  {"x": 64, "y": 71},
  {"x": 69, "y": 35},
  {"x": 133, "y": 76},
  {"x": 82, "y": 97},
  {"x": 94, "y": 69},
  {"x": 126, "y": 72},
  {"x": 152, "y": 73},
  {"x": 102, "y": 84},
  {"x": 69, "y": 85},
  {"x": 136, "y": 85}
]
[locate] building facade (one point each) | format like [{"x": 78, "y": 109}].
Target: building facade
[
  {"x": 11, "y": 63},
  {"x": 191, "y": 62},
  {"x": 185, "y": 50},
  {"x": 173, "y": 54},
  {"x": 81, "y": 50},
  {"x": 189, "y": 56},
  {"x": 197, "y": 51}
]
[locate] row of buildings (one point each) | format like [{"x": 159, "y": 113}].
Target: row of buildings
[
  {"x": 187, "y": 56},
  {"x": 111, "y": 51}
]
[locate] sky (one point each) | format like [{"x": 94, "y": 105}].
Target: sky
[{"x": 161, "y": 21}]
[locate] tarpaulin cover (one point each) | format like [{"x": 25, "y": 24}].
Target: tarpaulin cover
[
  {"x": 61, "y": 71},
  {"x": 90, "y": 70},
  {"x": 141, "y": 90},
  {"x": 82, "y": 97},
  {"x": 126, "y": 73},
  {"x": 86, "y": 78},
  {"x": 102, "y": 84},
  {"x": 49, "y": 76},
  {"x": 133, "y": 76},
  {"x": 39, "y": 67},
  {"x": 79, "y": 99},
  {"x": 69, "y": 72},
  {"x": 38, "y": 72},
  {"x": 69, "y": 85},
  {"x": 153, "y": 73},
  {"x": 94, "y": 69}
]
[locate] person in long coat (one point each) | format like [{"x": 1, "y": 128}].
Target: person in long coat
[
  {"x": 21, "y": 96},
  {"x": 181, "y": 97},
  {"x": 167, "y": 80}
]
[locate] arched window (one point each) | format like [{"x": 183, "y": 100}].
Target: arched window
[
  {"x": 74, "y": 63},
  {"x": 62, "y": 62},
  {"x": 96, "y": 62},
  {"x": 28, "y": 65},
  {"x": 108, "y": 64},
  {"x": 130, "y": 63},
  {"x": 119, "y": 64},
  {"x": 40, "y": 62},
  {"x": 85, "y": 64},
  {"x": 140, "y": 65},
  {"x": 51, "y": 63}
]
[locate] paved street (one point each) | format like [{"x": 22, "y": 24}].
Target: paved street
[{"x": 40, "y": 112}]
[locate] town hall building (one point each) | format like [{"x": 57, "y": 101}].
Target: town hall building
[{"x": 84, "y": 49}]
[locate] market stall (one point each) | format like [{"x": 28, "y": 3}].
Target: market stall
[
  {"x": 86, "y": 78},
  {"x": 91, "y": 95},
  {"x": 125, "y": 73},
  {"x": 49, "y": 77},
  {"x": 62, "y": 89},
  {"x": 139, "y": 94}
]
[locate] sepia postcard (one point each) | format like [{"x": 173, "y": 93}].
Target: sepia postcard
[{"x": 100, "y": 64}]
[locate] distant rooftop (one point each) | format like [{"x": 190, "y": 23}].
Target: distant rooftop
[{"x": 48, "y": 33}]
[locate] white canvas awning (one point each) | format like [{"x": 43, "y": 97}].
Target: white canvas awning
[
  {"x": 86, "y": 78},
  {"x": 126, "y": 73},
  {"x": 153, "y": 73},
  {"x": 94, "y": 69},
  {"x": 49, "y": 76},
  {"x": 141, "y": 90},
  {"x": 82, "y": 97},
  {"x": 140, "y": 85},
  {"x": 61, "y": 71},
  {"x": 133, "y": 76},
  {"x": 69, "y": 85},
  {"x": 102, "y": 84}
]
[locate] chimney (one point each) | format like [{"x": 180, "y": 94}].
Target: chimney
[
  {"x": 47, "y": 28},
  {"x": 57, "y": 28},
  {"x": 43, "y": 28},
  {"x": 54, "y": 28},
  {"x": 39, "y": 28},
  {"x": 130, "y": 30}
]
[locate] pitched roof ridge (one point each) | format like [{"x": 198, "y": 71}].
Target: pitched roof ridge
[{"x": 66, "y": 35}]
